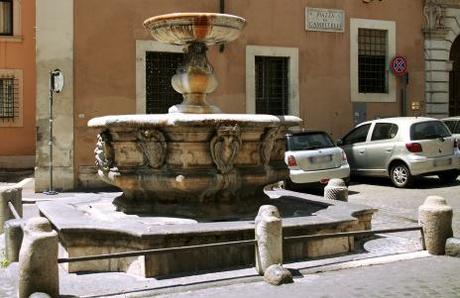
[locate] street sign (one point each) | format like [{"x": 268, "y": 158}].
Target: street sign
[{"x": 399, "y": 66}]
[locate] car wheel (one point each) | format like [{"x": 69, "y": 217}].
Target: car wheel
[
  {"x": 448, "y": 177},
  {"x": 400, "y": 175}
]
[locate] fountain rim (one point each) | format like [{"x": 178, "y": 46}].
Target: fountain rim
[
  {"x": 192, "y": 15},
  {"x": 187, "y": 23},
  {"x": 166, "y": 120}
]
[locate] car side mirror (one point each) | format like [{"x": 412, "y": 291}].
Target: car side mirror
[{"x": 339, "y": 142}]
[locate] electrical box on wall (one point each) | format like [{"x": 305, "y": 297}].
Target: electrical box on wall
[{"x": 359, "y": 112}]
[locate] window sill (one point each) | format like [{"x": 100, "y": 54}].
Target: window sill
[{"x": 7, "y": 38}]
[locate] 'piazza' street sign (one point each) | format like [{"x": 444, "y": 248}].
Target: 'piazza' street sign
[{"x": 322, "y": 19}]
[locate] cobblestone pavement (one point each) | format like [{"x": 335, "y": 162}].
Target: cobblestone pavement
[
  {"x": 401, "y": 205},
  {"x": 427, "y": 277}
]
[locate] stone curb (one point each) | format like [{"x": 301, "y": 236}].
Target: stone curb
[{"x": 244, "y": 276}]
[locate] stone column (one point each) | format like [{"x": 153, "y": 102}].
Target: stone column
[
  {"x": 13, "y": 195},
  {"x": 336, "y": 189},
  {"x": 13, "y": 239},
  {"x": 38, "y": 267},
  {"x": 435, "y": 216},
  {"x": 269, "y": 237}
]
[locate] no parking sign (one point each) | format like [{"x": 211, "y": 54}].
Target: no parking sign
[{"x": 399, "y": 66}]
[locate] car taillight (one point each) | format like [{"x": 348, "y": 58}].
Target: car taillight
[
  {"x": 291, "y": 161},
  {"x": 414, "y": 147},
  {"x": 344, "y": 158}
]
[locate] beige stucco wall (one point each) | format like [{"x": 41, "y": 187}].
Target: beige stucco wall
[
  {"x": 106, "y": 32},
  {"x": 55, "y": 50}
]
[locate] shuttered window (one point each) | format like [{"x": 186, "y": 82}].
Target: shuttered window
[
  {"x": 372, "y": 60},
  {"x": 160, "y": 67},
  {"x": 272, "y": 85},
  {"x": 6, "y": 17},
  {"x": 9, "y": 107}
]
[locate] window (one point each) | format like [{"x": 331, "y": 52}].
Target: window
[
  {"x": 384, "y": 131},
  {"x": 272, "y": 85},
  {"x": 428, "y": 130},
  {"x": 6, "y": 17},
  {"x": 453, "y": 125},
  {"x": 309, "y": 141},
  {"x": 357, "y": 135},
  {"x": 272, "y": 80},
  {"x": 372, "y": 45},
  {"x": 160, "y": 67},
  {"x": 8, "y": 99},
  {"x": 372, "y": 60}
]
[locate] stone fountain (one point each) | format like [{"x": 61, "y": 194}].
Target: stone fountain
[
  {"x": 194, "y": 175},
  {"x": 194, "y": 161}
]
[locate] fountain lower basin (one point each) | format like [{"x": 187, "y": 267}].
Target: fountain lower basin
[
  {"x": 90, "y": 225},
  {"x": 201, "y": 165}
]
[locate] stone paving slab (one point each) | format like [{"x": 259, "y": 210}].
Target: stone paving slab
[{"x": 427, "y": 277}]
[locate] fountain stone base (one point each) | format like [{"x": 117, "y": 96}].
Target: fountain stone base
[{"x": 90, "y": 225}]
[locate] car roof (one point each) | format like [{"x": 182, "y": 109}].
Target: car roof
[
  {"x": 451, "y": 118},
  {"x": 303, "y": 131},
  {"x": 399, "y": 120}
]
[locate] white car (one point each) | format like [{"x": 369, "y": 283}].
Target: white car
[
  {"x": 454, "y": 125},
  {"x": 401, "y": 148},
  {"x": 313, "y": 158}
]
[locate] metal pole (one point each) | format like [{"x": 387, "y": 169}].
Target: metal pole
[{"x": 50, "y": 140}]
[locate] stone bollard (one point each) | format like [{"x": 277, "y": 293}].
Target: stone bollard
[
  {"x": 13, "y": 195},
  {"x": 269, "y": 237},
  {"x": 38, "y": 267},
  {"x": 13, "y": 239},
  {"x": 435, "y": 216},
  {"x": 336, "y": 189},
  {"x": 453, "y": 247}
]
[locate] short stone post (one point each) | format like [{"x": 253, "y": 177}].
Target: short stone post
[
  {"x": 13, "y": 195},
  {"x": 269, "y": 237},
  {"x": 13, "y": 239},
  {"x": 38, "y": 267},
  {"x": 435, "y": 216},
  {"x": 336, "y": 189}
]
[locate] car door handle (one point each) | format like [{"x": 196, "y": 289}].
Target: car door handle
[
  {"x": 389, "y": 150},
  {"x": 362, "y": 151}
]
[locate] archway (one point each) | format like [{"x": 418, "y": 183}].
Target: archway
[{"x": 454, "y": 79}]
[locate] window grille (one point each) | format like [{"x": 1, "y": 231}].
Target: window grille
[
  {"x": 6, "y": 17},
  {"x": 9, "y": 107},
  {"x": 160, "y": 67},
  {"x": 372, "y": 47},
  {"x": 272, "y": 85}
]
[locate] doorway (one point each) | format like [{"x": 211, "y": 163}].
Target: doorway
[{"x": 454, "y": 79}]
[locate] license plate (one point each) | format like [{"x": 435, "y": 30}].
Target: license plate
[
  {"x": 442, "y": 162},
  {"x": 321, "y": 159}
]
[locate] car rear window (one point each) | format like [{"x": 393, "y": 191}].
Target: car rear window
[
  {"x": 454, "y": 125},
  {"x": 428, "y": 130},
  {"x": 309, "y": 141}
]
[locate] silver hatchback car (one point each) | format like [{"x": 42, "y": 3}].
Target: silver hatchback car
[
  {"x": 401, "y": 148},
  {"x": 313, "y": 158}
]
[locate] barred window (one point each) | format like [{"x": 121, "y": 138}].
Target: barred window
[
  {"x": 372, "y": 57},
  {"x": 272, "y": 85},
  {"x": 6, "y": 17},
  {"x": 160, "y": 67},
  {"x": 8, "y": 99}
]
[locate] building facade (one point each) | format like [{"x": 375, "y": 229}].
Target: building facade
[
  {"x": 327, "y": 61},
  {"x": 17, "y": 84}
]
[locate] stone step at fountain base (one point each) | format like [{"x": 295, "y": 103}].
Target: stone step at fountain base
[{"x": 93, "y": 226}]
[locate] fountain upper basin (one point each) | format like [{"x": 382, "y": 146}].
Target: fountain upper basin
[{"x": 184, "y": 28}]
